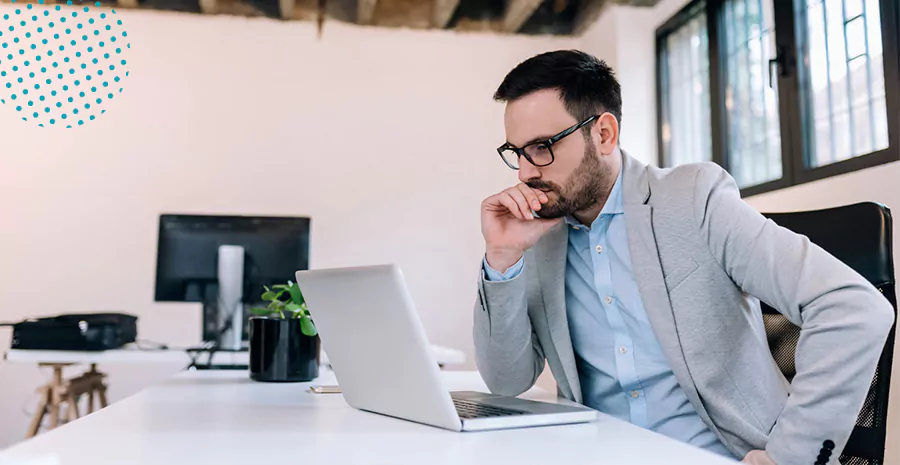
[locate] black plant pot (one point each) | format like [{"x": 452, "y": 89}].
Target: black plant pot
[{"x": 280, "y": 352}]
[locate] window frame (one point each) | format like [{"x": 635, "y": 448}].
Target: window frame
[
  {"x": 795, "y": 146},
  {"x": 680, "y": 19}
]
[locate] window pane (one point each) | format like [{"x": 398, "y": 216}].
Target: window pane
[
  {"x": 754, "y": 135},
  {"x": 685, "y": 123},
  {"x": 843, "y": 83},
  {"x": 853, "y": 8}
]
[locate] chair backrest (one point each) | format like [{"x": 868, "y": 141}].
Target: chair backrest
[{"x": 860, "y": 236}]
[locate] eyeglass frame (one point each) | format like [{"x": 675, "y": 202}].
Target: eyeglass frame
[{"x": 520, "y": 152}]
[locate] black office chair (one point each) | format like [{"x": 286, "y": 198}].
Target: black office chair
[{"x": 860, "y": 236}]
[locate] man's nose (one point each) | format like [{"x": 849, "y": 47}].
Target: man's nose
[{"x": 527, "y": 170}]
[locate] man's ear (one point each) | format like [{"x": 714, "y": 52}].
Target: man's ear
[{"x": 606, "y": 133}]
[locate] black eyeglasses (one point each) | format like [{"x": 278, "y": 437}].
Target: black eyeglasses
[{"x": 538, "y": 153}]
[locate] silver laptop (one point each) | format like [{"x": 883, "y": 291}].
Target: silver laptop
[{"x": 379, "y": 353}]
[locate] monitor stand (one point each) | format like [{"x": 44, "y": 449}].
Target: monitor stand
[
  {"x": 212, "y": 327},
  {"x": 230, "y": 315}
]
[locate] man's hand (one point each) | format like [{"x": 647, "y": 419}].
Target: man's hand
[
  {"x": 508, "y": 226},
  {"x": 758, "y": 457}
]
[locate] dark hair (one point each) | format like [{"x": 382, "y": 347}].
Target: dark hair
[{"x": 588, "y": 86}]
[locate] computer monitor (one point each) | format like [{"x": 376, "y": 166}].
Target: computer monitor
[{"x": 188, "y": 252}]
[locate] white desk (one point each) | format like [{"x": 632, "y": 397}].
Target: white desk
[
  {"x": 223, "y": 418},
  {"x": 57, "y": 391},
  {"x": 131, "y": 354}
]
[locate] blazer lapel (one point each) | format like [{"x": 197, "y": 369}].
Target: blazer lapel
[
  {"x": 550, "y": 257},
  {"x": 649, "y": 276}
]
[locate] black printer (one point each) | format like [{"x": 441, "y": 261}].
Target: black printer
[{"x": 85, "y": 331}]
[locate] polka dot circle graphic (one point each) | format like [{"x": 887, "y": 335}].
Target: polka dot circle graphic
[{"x": 46, "y": 58}]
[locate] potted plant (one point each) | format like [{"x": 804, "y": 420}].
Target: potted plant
[{"x": 284, "y": 343}]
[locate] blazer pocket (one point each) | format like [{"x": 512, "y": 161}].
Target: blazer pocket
[{"x": 680, "y": 273}]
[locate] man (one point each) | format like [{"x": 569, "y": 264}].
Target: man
[{"x": 641, "y": 287}]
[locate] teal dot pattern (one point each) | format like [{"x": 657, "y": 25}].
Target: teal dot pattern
[{"x": 30, "y": 38}]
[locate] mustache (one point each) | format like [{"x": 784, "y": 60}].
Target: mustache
[{"x": 543, "y": 185}]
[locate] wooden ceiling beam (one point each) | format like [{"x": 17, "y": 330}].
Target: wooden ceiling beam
[
  {"x": 639, "y": 3},
  {"x": 443, "y": 12},
  {"x": 286, "y": 8},
  {"x": 588, "y": 14},
  {"x": 206, "y": 6},
  {"x": 517, "y": 13},
  {"x": 365, "y": 11}
]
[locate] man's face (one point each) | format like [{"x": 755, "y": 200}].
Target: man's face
[{"x": 577, "y": 179}]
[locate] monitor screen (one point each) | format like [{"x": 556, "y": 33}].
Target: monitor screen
[
  {"x": 187, "y": 253},
  {"x": 187, "y": 256}
]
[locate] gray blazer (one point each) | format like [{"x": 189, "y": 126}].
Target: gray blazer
[{"x": 703, "y": 259}]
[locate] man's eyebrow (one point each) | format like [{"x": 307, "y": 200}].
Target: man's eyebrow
[{"x": 536, "y": 139}]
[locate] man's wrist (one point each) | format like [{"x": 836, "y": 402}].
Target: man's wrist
[
  {"x": 501, "y": 259},
  {"x": 758, "y": 457}
]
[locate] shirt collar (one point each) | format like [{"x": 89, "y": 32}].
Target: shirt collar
[{"x": 612, "y": 206}]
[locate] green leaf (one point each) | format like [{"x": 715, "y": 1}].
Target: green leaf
[
  {"x": 269, "y": 296},
  {"x": 281, "y": 287},
  {"x": 307, "y": 326},
  {"x": 267, "y": 288},
  {"x": 296, "y": 295},
  {"x": 292, "y": 307},
  {"x": 263, "y": 312}
]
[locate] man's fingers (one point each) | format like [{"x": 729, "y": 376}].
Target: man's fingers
[
  {"x": 521, "y": 201},
  {"x": 503, "y": 203},
  {"x": 541, "y": 195},
  {"x": 530, "y": 196},
  {"x": 504, "y": 199}
]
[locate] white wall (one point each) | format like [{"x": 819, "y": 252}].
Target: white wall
[
  {"x": 384, "y": 137},
  {"x": 626, "y": 38},
  {"x": 628, "y": 58},
  {"x": 629, "y": 33}
]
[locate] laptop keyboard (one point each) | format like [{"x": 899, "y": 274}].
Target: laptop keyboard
[{"x": 468, "y": 410}]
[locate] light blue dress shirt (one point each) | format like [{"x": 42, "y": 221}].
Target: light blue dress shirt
[{"x": 621, "y": 366}]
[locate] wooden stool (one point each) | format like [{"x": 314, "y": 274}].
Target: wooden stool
[{"x": 59, "y": 393}]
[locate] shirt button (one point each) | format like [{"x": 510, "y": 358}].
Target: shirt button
[
  {"x": 623, "y": 350},
  {"x": 608, "y": 299},
  {"x": 635, "y": 394},
  {"x": 599, "y": 249}
]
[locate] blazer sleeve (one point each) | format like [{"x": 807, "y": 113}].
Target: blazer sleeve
[
  {"x": 507, "y": 352},
  {"x": 844, "y": 321}
]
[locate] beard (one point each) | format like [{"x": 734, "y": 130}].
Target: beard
[{"x": 586, "y": 187}]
